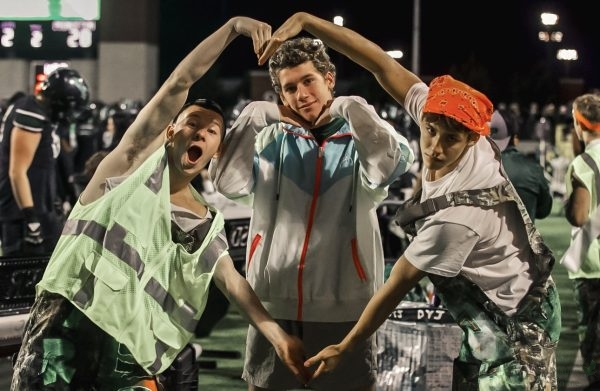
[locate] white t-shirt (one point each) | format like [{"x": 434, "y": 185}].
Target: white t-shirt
[{"x": 488, "y": 246}]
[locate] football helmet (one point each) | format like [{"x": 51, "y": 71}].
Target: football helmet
[{"x": 65, "y": 93}]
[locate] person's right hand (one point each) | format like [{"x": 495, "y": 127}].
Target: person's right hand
[
  {"x": 260, "y": 32},
  {"x": 291, "y": 353},
  {"x": 290, "y": 28}
]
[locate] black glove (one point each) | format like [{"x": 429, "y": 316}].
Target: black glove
[{"x": 33, "y": 227}]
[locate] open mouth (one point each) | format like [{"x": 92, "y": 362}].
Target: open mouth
[{"x": 194, "y": 153}]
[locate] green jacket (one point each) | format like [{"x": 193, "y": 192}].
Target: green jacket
[
  {"x": 116, "y": 261},
  {"x": 527, "y": 176}
]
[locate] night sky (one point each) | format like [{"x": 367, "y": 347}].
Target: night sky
[{"x": 493, "y": 47}]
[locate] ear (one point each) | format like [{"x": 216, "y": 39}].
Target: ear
[
  {"x": 170, "y": 132},
  {"x": 473, "y": 138},
  {"x": 330, "y": 80}
]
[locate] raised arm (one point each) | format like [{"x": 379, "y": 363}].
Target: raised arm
[
  {"x": 392, "y": 76},
  {"x": 146, "y": 133}
]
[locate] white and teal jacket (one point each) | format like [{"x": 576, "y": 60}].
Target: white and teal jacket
[{"x": 314, "y": 251}]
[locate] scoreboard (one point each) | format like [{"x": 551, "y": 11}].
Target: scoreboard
[
  {"x": 48, "y": 40},
  {"x": 49, "y": 29}
]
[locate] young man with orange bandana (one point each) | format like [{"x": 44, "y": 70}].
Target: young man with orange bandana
[
  {"x": 581, "y": 208},
  {"x": 494, "y": 282}
]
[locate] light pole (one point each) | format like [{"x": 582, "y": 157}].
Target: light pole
[
  {"x": 416, "y": 36},
  {"x": 550, "y": 35}
]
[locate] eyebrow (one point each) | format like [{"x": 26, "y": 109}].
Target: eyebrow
[{"x": 302, "y": 78}]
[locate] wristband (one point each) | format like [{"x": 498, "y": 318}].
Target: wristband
[{"x": 29, "y": 214}]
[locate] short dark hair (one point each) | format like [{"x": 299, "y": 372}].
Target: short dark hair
[{"x": 208, "y": 104}]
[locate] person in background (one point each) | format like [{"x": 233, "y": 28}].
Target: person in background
[
  {"x": 29, "y": 146},
  {"x": 128, "y": 280},
  {"x": 489, "y": 264},
  {"x": 583, "y": 180},
  {"x": 525, "y": 173},
  {"x": 314, "y": 170},
  {"x": 119, "y": 117}
]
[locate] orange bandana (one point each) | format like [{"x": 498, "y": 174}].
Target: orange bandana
[{"x": 455, "y": 99}]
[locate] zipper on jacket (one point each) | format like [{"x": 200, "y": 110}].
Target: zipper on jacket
[
  {"x": 253, "y": 247},
  {"x": 311, "y": 218},
  {"x": 359, "y": 269}
]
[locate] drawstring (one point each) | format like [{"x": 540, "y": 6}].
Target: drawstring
[
  {"x": 354, "y": 182},
  {"x": 280, "y": 168}
]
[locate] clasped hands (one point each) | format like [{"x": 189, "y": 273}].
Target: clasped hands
[{"x": 292, "y": 355}]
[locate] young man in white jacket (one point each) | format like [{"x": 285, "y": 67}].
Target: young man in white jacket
[{"x": 314, "y": 170}]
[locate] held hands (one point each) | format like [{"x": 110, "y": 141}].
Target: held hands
[
  {"x": 290, "y": 28},
  {"x": 291, "y": 353},
  {"x": 260, "y": 32}
]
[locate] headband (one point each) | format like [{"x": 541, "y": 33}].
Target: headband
[{"x": 595, "y": 126}]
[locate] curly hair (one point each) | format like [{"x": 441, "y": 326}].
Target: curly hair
[{"x": 297, "y": 51}]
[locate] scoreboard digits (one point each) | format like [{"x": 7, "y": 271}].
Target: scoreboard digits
[{"x": 48, "y": 39}]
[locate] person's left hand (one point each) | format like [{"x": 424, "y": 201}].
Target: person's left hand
[
  {"x": 328, "y": 359},
  {"x": 291, "y": 352},
  {"x": 290, "y": 28},
  {"x": 289, "y": 116}
]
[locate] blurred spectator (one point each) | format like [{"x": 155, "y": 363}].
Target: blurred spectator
[
  {"x": 526, "y": 175},
  {"x": 533, "y": 115},
  {"x": 88, "y": 134},
  {"x": 118, "y": 119},
  {"x": 65, "y": 164},
  {"x": 81, "y": 179}
]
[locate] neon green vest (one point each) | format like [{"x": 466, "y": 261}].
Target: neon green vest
[
  {"x": 116, "y": 262},
  {"x": 590, "y": 266}
]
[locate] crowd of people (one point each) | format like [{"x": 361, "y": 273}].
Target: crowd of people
[{"x": 138, "y": 246}]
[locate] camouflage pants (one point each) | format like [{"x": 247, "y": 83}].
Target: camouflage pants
[
  {"x": 587, "y": 297},
  {"x": 63, "y": 350},
  {"x": 500, "y": 352}
]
